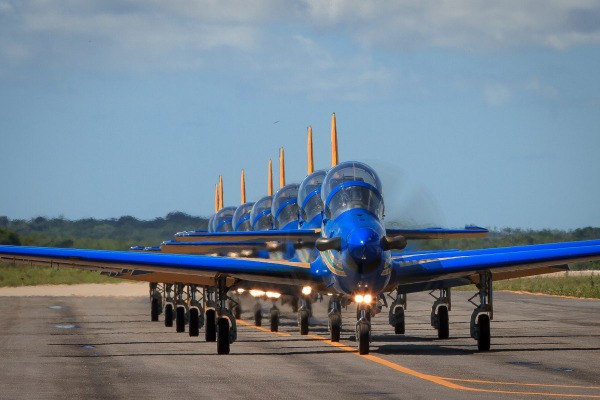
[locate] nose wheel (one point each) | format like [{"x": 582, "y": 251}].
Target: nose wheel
[{"x": 363, "y": 328}]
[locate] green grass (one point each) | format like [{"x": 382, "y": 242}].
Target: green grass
[
  {"x": 576, "y": 286},
  {"x": 11, "y": 275},
  {"x": 573, "y": 286}
]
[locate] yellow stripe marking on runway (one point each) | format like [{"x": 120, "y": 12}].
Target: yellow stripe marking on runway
[
  {"x": 446, "y": 381},
  {"x": 260, "y": 328}
]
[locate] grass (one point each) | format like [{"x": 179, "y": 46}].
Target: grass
[
  {"x": 575, "y": 286},
  {"x": 571, "y": 286},
  {"x": 11, "y": 275}
]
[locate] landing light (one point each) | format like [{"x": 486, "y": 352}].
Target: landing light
[
  {"x": 256, "y": 293},
  {"x": 306, "y": 290},
  {"x": 273, "y": 295},
  {"x": 241, "y": 290},
  {"x": 360, "y": 298}
]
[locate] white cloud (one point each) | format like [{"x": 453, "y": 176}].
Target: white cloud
[{"x": 497, "y": 94}]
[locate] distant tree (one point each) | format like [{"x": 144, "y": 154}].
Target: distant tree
[{"x": 9, "y": 237}]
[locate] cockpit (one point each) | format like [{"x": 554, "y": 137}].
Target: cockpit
[
  {"x": 241, "y": 218},
  {"x": 285, "y": 207},
  {"x": 223, "y": 219},
  {"x": 261, "y": 218},
  {"x": 309, "y": 196},
  {"x": 352, "y": 185}
]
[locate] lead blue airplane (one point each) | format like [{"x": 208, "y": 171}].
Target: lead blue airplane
[{"x": 354, "y": 256}]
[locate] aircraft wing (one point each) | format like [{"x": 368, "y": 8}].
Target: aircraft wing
[
  {"x": 250, "y": 236},
  {"x": 439, "y": 233},
  {"x": 417, "y": 272},
  {"x": 189, "y": 268}
]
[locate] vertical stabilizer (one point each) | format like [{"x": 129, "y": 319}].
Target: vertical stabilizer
[
  {"x": 281, "y": 168},
  {"x": 270, "y": 188},
  {"x": 334, "y": 144},
  {"x": 216, "y": 197},
  {"x": 243, "y": 187},
  {"x": 311, "y": 167},
  {"x": 221, "y": 202}
]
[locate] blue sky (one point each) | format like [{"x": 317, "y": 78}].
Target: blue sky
[{"x": 472, "y": 112}]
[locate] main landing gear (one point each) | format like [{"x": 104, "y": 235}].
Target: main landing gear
[
  {"x": 304, "y": 312},
  {"x": 396, "y": 317},
  {"x": 226, "y": 325},
  {"x": 483, "y": 313},
  {"x": 335, "y": 318},
  {"x": 156, "y": 301},
  {"x": 169, "y": 305},
  {"x": 439, "y": 313}
]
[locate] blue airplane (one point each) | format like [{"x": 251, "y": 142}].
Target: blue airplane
[{"x": 353, "y": 258}]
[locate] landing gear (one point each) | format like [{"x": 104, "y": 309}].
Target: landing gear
[
  {"x": 181, "y": 308},
  {"x": 396, "y": 317},
  {"x": 156, "y": 297},
  {"x": 363, "y": 329},
  {"x": 303, "y": 315},
  {"x": 274, "y": 318},
  {"x": 196, "y": 316},
  {"x": 225, "y": 324},
  {"x": 439, "y": 313},
  {"x": 335, "y": 318},
  {"x": 483, "y": 313},
  {"x": 180, "y": 319},
  {"x": 169, "y": 315},
  {"x": 223, "y": 336},
  {"x": 169, "y": 305},
  {"x": 210, "y": 332},
  {"x": 257, "y": 314}
]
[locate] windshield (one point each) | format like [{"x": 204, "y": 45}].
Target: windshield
[
  {"x": 285, "y": 206},
  {"x": 352, "y": 185},
  {"x": 223, "y": 219},
  {"x": 309, "y": 195},
  {"x": 241, "y": 218},
  {"x": 260, "y": 216}
]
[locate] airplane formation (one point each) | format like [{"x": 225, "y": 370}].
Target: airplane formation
[{"x": 324, "y": 236}]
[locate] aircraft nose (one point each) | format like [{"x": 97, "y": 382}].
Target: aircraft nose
[{"x": 364, "y": 247}]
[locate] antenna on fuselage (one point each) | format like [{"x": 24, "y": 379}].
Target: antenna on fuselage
[
  {"x": 334, "y": 144},
  {"x": 221, "y": 202},
  {"x": 243, "y": 187},
  {"x": 311, "y": 167},
  {"x": 281, "y": 168},
  {"x": 270, "y": 188}
]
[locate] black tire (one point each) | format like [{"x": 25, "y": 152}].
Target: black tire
[
  {"x": 303, "y": 322},
  {"x": 169, "y": 315},
  {"x": 335, "y": 322},
  {"x": 210, "y": 333},
  {"x": 274, "y": 321},
  {"x": 400, "y": 327},
  {"x": 484, "y": 341},
  {"x": 258, "y": 317},
  {"x": 154, "y": 309},
  {"x": 194, "y": 322},
  {"x": 363, "y": 339},
  {"x": 223, "y": 336},
  {"x": 180, "y": 319},
  {"x": 444, "y": 327}
]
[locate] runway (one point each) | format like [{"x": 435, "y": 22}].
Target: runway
[{"x": 107, "y": 348}]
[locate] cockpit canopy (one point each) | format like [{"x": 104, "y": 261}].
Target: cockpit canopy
[
  {"x": 223, "y": 219},
  {"x": 309, "y": 195},
  {"x": 210, "y": 223},
  {"x": 241, "y": 218},
  {"x": 350, "y": 185},
  {"x": 285, "y": 206},
  {"x": 260, "y": 216}
]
